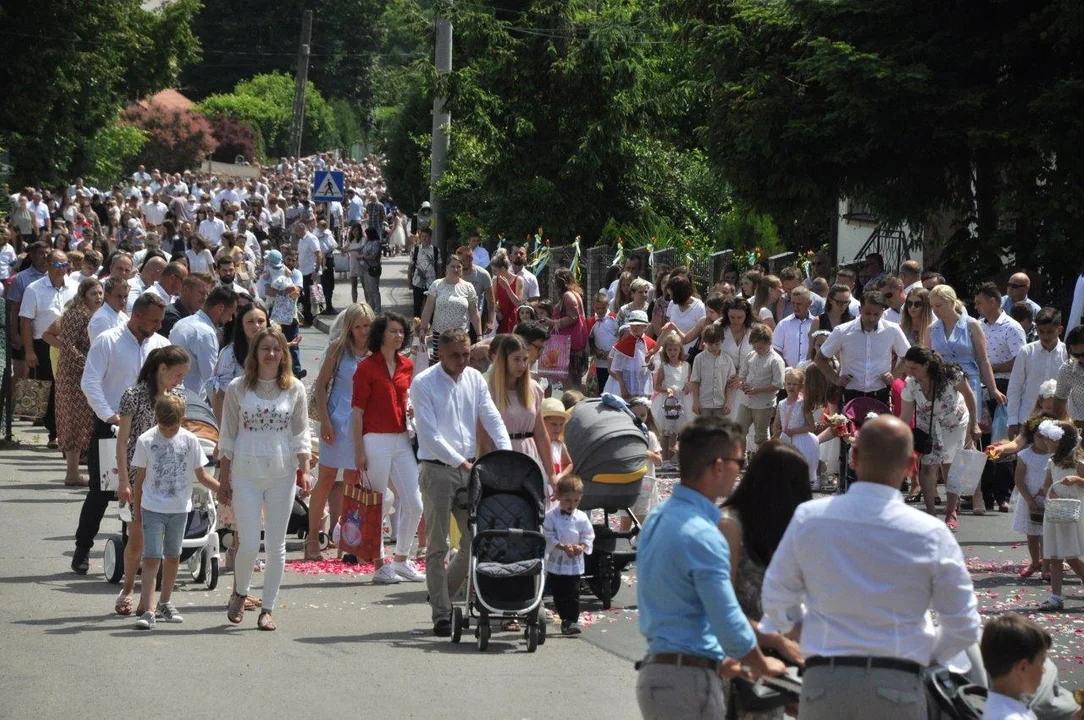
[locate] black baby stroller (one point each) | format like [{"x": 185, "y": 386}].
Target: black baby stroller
[
  {"x": 200, "y": 547},
  {"x": 505, "y": 509},
  {"x": 609, "y": 453}
]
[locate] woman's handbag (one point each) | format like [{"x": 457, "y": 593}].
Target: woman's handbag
[
  {"x": 361, "y": 520},
  {"x": 374, "y": 270},
  {"x": 966, "y": 471},
  {"x": 923, "y": 439},
  {"x": 32, "y": 397},
  {"x": 554, "y": 358},
  {"x": 1062, "y": 510}
]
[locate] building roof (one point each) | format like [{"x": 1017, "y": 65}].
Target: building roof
[{"x": 168, "y": 99}]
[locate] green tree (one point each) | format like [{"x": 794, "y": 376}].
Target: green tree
[
  {"x": 70, "y": 66},
  {"x": 266, "y": 103},
  {"x": 110, "y": 151}
]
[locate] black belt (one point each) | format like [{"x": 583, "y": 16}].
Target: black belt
[
  {"x": 520, "y": 436},
  {"x": 679, "y": 659},
  {"x": 872, "y": 663},
  {"x": 444, "y": 464}
]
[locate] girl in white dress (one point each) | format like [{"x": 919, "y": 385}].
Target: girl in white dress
[
  {"x": 671, "y": 394},
  {"x": 794, "y": 424},
  {"x": 1030, "y": 476},
  {"x": 630, "y": 360},
  {"x": 1062, "y": 541}
]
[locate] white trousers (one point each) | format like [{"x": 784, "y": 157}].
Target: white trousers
[
  {"x": 252, "y": 497},
  {"x": 389, "y": 458}
]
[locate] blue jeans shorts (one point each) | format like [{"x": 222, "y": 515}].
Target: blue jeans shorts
[{"x": 162, "y": 533}]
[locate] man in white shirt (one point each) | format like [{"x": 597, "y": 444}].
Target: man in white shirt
[
  {"x": 198, "y": 334},
  {"x": 229, "y": 194},
  {"x": 911, "y": 275},
  {"x": 140, "y": 175},
  {"x": 169, "y": 284},
  {"x": 40, "y": 208},
  {"x": 355, "y": 207},
  {"x": 154, "y": 212},
  {"x": 450, "y": 399},
  {"x": 791, "y": 335},
  {"x": 308, "y": 261},
  {"x": 112, "y": 366},
  {"x": 1037, "y": 362},
  {"x": 149, "y": 275},
  {"x": 892, "y": 289},
  {"x": 111, "y": 314},
  {"x": 479, "y": 253},
  {"x": 865, "y": 347},
  {"x": 633, "y": 265},
  {"x": 530, "y": 282},
  {"x": 864, "y": 606},
  {"x": 42, "y": 304}
]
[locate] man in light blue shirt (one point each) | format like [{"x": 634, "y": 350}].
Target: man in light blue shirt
[
  {"x": 198, "y": 334},
  {"x": 1017, "y": 291},
  {"x": 689, "y": 614}
]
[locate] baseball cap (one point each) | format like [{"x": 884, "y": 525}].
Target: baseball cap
[{"x": 274, "y": 259}]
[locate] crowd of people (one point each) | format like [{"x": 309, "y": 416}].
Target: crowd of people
[{"x": 180, "y": 285}]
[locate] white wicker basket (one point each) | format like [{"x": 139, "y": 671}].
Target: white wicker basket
[{"x": 1062, "y": 510}]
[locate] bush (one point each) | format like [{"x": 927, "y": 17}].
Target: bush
[
  {"x": 110, "y": 151},
  {"x": 234, "y": 138},
  {"x": 176, "y": 139}
]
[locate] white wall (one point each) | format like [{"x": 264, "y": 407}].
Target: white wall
[{"x": 852, "y": 234}]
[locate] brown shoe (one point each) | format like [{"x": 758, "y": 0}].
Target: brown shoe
[
  {"x": 265, "y": 621},
  {"x": 235, "y": 611}
]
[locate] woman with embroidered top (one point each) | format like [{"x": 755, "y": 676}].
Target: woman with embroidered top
[
  {"x": 519, "y": 400},
  {"x": 640, "y": 289},
  {"x": 382, "y": 448},
  {"x": 939, "y": 398},
  {"x": 265, "y": 449},
  {"x": 248, "y": 321},
  {"x": 451, "y": 303},
  {"x": 161, "y": 375},
  {"x": 348, "y": 345}
]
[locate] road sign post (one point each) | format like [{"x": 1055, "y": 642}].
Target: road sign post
[{"x": 328, "y": 186}]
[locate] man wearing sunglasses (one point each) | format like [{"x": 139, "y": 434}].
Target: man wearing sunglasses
[
  {"x": 1017, "y": 291},
  {"x": 1069, "y": 397},
  {"x": 689, "y": 614},
  {"x": 42, "y": 304}
]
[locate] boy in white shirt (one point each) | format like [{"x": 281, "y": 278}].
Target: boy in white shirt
[
  {"x": 761, "y": 379},
  {"x": 710, "y": 379},
  {"x": 166, "y": 459},
  {"x": 1013, "y": 651},
  {"x": 569, "y": 536}
]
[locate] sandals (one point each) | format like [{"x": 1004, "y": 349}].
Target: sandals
[
  {"x": 265, "y": 621},
  {"x": 252, "y": 603},
  {"x": 123, "y": 605},
  {"x": 1030, "y": 570},
  {"x": 235, "y": 611}
]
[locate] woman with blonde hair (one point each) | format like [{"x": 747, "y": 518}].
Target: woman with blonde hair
[
  {"x": 769, "y": 290},
  {"x": 347, "y": 346},
  {"x": 640, "y": 290},
  {"x": 519, "y": 400},
  {"x": 265, "y": 449}
]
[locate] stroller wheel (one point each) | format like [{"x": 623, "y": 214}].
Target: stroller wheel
[
  {"x": 113, "y": 559},
  {"x": 541, "y": 626},
  {"x": 325, "y": 539},
  {"x": 197, "y": 566},
  {"x": 483, "y": 635},
  {"x": 532, "y": 638},
  {"x": 211, "y": 569},
  {"x": 457, "y": 624}
]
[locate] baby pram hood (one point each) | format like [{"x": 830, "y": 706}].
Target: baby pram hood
[
  {"x": 506, "y": 471},
  {"x": 609, "y": 452}
]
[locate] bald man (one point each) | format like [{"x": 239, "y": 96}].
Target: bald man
[
  {"x": 869, "y": 569},
  {"x": 1017, "y": 291},
  {"x": 148, "y": 277}
]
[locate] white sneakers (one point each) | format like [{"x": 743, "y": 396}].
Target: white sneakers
[
  {"x": 386, "y": 575},
  {"x": 406, "y": 571}
]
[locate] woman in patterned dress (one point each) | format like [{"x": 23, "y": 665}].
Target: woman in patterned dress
[
  {"x": 74, "y": 418},
  {"x": 161, "y": 374}
]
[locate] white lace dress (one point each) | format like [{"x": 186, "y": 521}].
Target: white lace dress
[
  {"x": 1063, "y": 541},
  {"x": 264, "y": 429},
  {"x": 793, "y": 416},
  {"x": 674, "y": 378}
]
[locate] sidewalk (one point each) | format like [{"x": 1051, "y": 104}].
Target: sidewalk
[{"x": 395, "y": 293}]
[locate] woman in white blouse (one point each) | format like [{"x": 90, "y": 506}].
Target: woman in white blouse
[
  {"x": 685, "y": 310},
  {"x": 739, "y": 318},
  {"x": 200, "y": 259},
  {"x": 265, "y": 449}
]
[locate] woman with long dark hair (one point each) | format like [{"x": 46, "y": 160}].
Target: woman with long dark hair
[
  {"x": 739, "y": 318},
  {"x": 568, "y": 319},
  {"x": 249, "y": 320},
  {"x": 940, "y": 399},
  {"x": 836, "y": 310},
  {"x": 754, "y": 519}
]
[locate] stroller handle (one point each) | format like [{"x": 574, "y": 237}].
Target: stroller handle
[{"x": 514, "y": 532}]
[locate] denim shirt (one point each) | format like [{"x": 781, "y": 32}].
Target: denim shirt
[{"x": 687, "y": 602}]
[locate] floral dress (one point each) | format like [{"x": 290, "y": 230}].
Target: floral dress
[
  {"x": 950, "y": 419},
  {"x": 74, "y": 418},
  {"x": 136, "y": 403}
]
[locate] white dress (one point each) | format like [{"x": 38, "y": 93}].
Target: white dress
[
  {"x": 736, "y": 351},
  {"x": 1034, "y": 477},
  {"x": 676, "y": 379},
  {"x": 805, "y": 443},
  {"x": 829, "y": 451},
  {"x": 1063, "y": 541},
  {"x": 686, "y": 320}
]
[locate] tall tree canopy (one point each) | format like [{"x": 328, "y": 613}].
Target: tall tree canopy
[{"x": 71, "y": 65}]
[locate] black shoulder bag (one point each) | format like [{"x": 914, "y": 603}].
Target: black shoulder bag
[{"x": 923, "y": 439}]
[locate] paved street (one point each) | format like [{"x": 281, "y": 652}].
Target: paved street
[{"x": 343, "y": 645}]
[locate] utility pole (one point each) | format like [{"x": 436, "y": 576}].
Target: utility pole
[
  {"x": 441, "y": 121},
  {"x": 297, "y": 123}
]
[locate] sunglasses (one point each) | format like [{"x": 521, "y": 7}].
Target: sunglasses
[
  {"x": 889, "y": 296},
  {"x": 1017, "y": 286},
  {"x": 842, "y": 303},
  {"x": 61, "y": 265},
  {"x": 914, "y": 303}
]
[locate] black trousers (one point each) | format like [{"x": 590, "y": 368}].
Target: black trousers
[
  {"x": 327, "y": 281},
  {"x": 997, "y": 478},
  {"x": 306, "y": 299},
  {"x": 602, "y": 375},
  {"x": 566, "y": 596},
  {"x": 44, "y": 371},
  {"x": 884, "y": 395},
  {"x": 96, "y": 501},
  {"x": 419, "y": 300}
]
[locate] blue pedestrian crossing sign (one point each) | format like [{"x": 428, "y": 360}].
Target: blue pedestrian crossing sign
[{"x": 328, "y": 186}]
